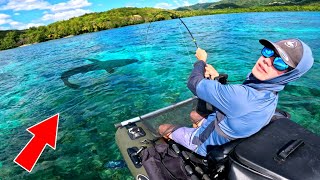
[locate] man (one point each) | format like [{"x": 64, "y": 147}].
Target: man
[{"x": 242, "y": 109}]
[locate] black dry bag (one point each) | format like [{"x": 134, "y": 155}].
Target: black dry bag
[{"x": 162, "y": 163}]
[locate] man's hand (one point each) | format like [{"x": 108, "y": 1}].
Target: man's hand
[
  {"x": 201, "y": 55},
  {"x": 210, "y": 72}
]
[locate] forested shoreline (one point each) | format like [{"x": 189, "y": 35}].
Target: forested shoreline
[{"x": 115, "y": 18}]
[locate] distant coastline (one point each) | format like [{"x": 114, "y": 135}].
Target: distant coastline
[{"x": 120, "y": 17}]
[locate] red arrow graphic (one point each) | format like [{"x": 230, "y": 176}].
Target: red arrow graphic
[{"x": 44, "y": 133}]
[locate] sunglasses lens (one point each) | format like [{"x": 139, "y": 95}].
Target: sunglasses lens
[
  {"x": 279, "y": 64},
  {"x": 266, "y": 52}
]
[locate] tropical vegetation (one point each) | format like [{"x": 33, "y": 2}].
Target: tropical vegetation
[
  {"x": 248, "y": 3},
  {"x": 115, "y": 18}
]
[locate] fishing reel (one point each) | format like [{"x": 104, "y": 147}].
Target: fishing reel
[{"x": 222, "y": 78}]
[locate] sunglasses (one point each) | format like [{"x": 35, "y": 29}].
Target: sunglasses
[{"x": 278, "y": 62}]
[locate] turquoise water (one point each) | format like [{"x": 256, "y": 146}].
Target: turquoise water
[{"x": 31, "y": 88}]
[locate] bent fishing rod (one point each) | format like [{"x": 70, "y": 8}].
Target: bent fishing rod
[{"x": 174, "y": 17}]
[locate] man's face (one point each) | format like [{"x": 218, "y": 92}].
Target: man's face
[{"x": 264, "y": 69}]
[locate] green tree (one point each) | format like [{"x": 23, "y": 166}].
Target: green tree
[{"x": 9, "y": 41}]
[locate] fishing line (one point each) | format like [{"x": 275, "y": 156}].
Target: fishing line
[
  {"x": 185, "y": 45},
  {"x": 193, "y": 39},
  {"x": 174, "y": 17}
]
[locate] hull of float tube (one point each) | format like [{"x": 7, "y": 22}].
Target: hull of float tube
[
  {"x": 176, "y": 114},
  {"x": 124, "y": 142}
]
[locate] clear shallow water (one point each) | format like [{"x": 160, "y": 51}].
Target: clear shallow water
[{"x": 31, "y": 88}]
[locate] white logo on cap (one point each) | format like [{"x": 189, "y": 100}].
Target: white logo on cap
[
  {"x": 291, "y": 44},
  {"x": 282, "y": 53}
]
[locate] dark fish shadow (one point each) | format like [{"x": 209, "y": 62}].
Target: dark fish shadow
[{"x": 109, "y": 66}]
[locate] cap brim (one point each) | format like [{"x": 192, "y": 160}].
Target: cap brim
[
  {"x": 278, "y": 50},
  {"x": 267, "y": 44}
]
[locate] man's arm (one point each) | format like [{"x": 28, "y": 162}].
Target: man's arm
[
  {"x": 227, "y": 98},
  {"x": 196, "y": 76},
  {"x": 200, "y": 71}
]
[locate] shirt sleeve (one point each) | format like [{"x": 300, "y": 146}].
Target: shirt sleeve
[
  {"x": 196, "y": 76},
  {"x": 230, "y": 99}
]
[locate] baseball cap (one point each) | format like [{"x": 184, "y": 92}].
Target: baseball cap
[{"x": 290, "y": 50}]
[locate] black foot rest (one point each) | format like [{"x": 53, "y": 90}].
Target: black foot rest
[
  {"x": 135, "y": 132},
  {"x": 134, "y": 156}
]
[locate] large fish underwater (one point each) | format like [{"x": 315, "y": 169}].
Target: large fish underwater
[{"x": 109, "y": 66}]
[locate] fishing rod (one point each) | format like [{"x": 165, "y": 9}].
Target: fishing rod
[
  {"x": 193, "y": 39},
  {"x": 174, "y": 17}
]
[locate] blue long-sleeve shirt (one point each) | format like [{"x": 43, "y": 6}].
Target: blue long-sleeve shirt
[{"x": 247, "y": 107}]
